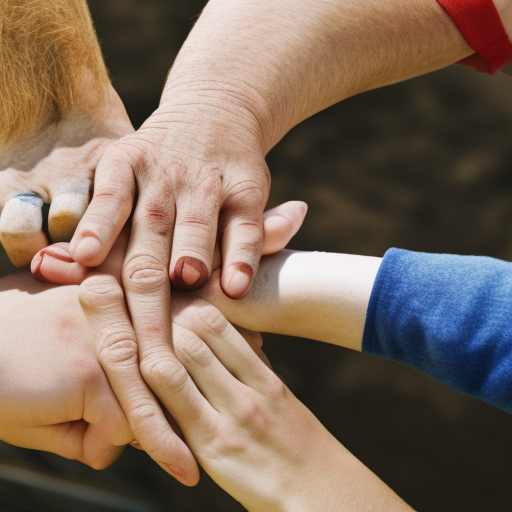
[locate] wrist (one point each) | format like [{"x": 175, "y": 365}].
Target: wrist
[
  {"x": 227, "y": 114},
  {"x": 254, "y": 55},
  {"x": 285, "y": 60},
  {"x": 321, "y": 296}
]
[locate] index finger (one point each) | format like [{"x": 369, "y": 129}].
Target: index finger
[
  {"x": 110, "y": 207},
  {"x": 103, "y": 303}
]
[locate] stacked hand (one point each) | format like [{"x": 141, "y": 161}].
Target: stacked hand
[{"x": 118, "y": 353}]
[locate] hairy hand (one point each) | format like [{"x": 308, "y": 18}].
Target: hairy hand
[{"x": 54, "y": 165}]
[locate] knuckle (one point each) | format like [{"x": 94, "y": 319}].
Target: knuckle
[
  {"x": 195, "y": 220},
  {"x": 117, "y": 349},
  {"x": 248, "y": 196},
  {"x": 157, "y": 214},
  {"x": 276, "y": 389},
  {"x": 179, "y": 175},
  {"x": 211, "y": 183},
  {"x": 246, "y": 248},
  {"x": 100, "y": 291},
  {"x": 192, "y": 350},
  {"x": 205, "y": 182},
  {"x": 210, "y": 320},
  {"x": 117, "y": 192},
  {"x": 228, "y": 441},
  {"x": 166, "y": 374},
  {"x": 97, "y": 461},
  {"x": 141, "y": 416},
  {"x": 251, "y": 417},
  {"x": 145, "y": 273},
  {"x": 129, "y": 150}
]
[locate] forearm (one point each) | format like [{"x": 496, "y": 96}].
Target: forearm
[
  {"x": 50, "y": 64},
  {"x": 284, "y": 61},
  {"x": 504, "y": 8},
  {"x": 322, "y": 296}
]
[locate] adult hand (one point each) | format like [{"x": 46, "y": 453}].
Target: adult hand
[
  {"x": 195, "y": 167},
  {"x": 55, "y": 165},
  {"x": 245, "y": 76},
  {"x": 54, "y": 395},
  {"x": 119, "y": 353}
]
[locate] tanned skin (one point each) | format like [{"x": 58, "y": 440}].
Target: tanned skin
[{"x": 58, "y": 115}]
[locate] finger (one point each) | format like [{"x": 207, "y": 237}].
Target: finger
[
  {"x": 111, "y": 205},
  {"x": 281, "y": 224},
  {"x": 54, "y": 264},
  {"x": 21, "y": 226},
  {"x": 225, "y": 342},
  {"x": 97, "y": 450},
  {"x": 75, "y": 440},
  {"x": 214, "y": 381},
  {"x": 242, "y": 242},
  {"x": 68, "y": 204},
  {"x": 195, "y": 233},
  {"x": 255, "y": 341},
  {"x": 188, "y": 409},
  {"x": 102, "y": 411},
  {"x": 103, "y": 304}
]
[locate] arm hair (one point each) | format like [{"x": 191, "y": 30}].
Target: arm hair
[{"x": 50, "y": 64}]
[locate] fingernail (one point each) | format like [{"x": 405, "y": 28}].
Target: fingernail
[
  {"x": 190, "y": 273},
  {"x": 87, "y": 249},
  {"x": 35, "y": 266},
  {"x": 176, "y": 471},
  {"x": 44, "y": 257},
  {"x": 240, "y": 282},
  {"x": 55, "y": 265}
]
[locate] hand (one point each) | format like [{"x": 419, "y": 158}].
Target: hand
[
  {"x": 54, "y": 396},
  {"x": 55, "y": 165},
  {"x": 246, "y": 429},
  {"x": 120, "y": 355}
]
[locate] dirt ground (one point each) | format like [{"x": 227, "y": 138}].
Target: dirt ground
[{"x": 424, "y": 165}]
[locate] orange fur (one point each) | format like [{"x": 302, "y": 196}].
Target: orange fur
[{"x": 50, "y": 64}]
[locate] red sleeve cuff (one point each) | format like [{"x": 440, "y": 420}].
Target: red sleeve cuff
[{"x": 481, "y": 26}]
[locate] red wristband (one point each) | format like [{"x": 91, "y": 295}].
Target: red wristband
[{"x": 481, "y": 26}]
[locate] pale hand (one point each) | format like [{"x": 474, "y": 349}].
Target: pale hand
[{"x": 54, "y": 395}]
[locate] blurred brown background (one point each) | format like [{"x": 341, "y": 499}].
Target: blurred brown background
[{"x": 423, "y": 165}]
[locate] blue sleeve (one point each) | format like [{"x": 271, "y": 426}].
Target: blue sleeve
[{"x": 449, "y": 317}]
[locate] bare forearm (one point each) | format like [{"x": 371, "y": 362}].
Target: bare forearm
[
  {"x": 50, "y": 64},
  {"x": 322, "y": 296},
  {"x": 285, "y": 60}
]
